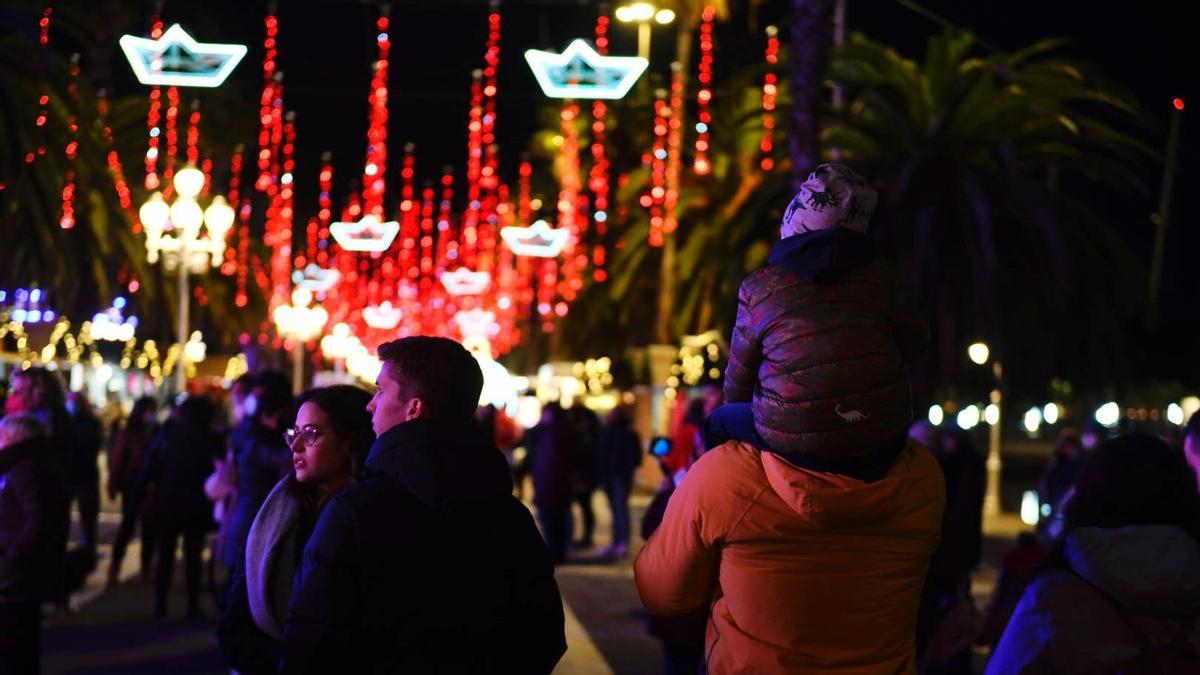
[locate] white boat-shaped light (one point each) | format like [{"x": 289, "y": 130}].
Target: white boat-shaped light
[
  {"x": 176, "y": 60},
  {"x": 581, "y": 72},
  {"x": 383, "y": 316},
  {"x": 463, "y": 281},
  {"x": 367, "y": 234},
  {"x": 538, "y": 240}
]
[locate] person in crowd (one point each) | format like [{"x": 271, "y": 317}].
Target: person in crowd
[
  {"x": 179, "y": 460},
  {"x": 40, "y": 392},
  {"x": 1191, "y": 444},
  {"x": 221, "y": 486},
  {"x": 817, "y": 366},
  {"x": 84, "y": 469},
  {"x": 125, "y": 463},
  {"x": 947, "y": 609},
  {"x": 619, "y": 453},
  {"x": 549, "y": 447},
  {"x": 1017, "y": 570},
  {"x": 1121, "y": 589},
  {"x": 392, "y": 578},
  {"x": 261, "y": 458},
  {"x": 585, "y": 431},
  {"x": 33, "y": 538},
  {"x": 329, "y": 443},
  {"x": 682, "y": 636},
  {"x": 1060, "y": 471},
  {"x": 686, "y": 439}
]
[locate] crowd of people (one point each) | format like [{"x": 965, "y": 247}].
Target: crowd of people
[{"x": 802, "y": 524}]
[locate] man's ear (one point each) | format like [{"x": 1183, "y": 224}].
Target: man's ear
[{"x": 416, "y": 409}]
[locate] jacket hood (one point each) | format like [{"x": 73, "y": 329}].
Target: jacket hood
[
  {"x": 836, "y": 500},
  {"x": 441, "y": 463},
  {"x": 1149, "y": 570},
  {"x": 824, "y": 256}
]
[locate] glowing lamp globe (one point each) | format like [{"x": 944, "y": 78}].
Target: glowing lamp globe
[
  {"x": 187, "y": 216},
  {"x": 641, "y": 11},
  {"x": 154, "y": 215},
  {"x": 219, "y": 218},
  {"x": 189, "y": 182},
  {"x": 664, "y": 16},
  {"x": 979, "y": 353}
]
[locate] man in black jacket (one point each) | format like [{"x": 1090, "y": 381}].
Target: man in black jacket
[
  {"x": 33, "y": 538},
  {"x": 429, "y": 564}
]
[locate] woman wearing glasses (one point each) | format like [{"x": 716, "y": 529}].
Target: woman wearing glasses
[{"x": 329, "y": 443}]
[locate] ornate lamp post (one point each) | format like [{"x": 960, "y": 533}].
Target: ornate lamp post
[
  {"x": 173, "y": 230},
  {"x": 300, "y": 322},
  {"x": 979, "y": 354},
  {"x": 642, "y": 13}
]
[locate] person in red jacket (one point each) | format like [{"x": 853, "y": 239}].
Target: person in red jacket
[{"x": 817, "y": 358}]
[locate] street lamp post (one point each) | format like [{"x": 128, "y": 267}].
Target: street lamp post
[
  {"x": 642, "y": 13},
  {"x": 173, "y": 230},
  {"x": 979, "y": 354},
  {"x": 301, "y": 323}
]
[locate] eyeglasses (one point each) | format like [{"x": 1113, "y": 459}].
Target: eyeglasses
[{"x": 309, "y": 433}]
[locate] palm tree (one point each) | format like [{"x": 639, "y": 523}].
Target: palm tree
[
  {"x": 812, "y": 37},
  {"x": 987, "y": 163}
]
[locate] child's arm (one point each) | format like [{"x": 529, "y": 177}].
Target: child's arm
[{"x": 745, "y": 353}]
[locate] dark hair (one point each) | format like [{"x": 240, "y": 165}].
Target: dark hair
[
  {"x": 1134, "y": 479},
  {"x": 197, "y": 411},
  {"x": 346, "y": 407},
  {"x": 274, "y": 392},
  {"x": 695, "y": 412},
  {"x": 136, "y": 421},
  {"x": 51, "y": 393},
  {"x": 273, "y": 380},
  {"x": 1192, "y": 430},
  {"x": 244, "y": 383},
  {"x": 437, "y": 370}
]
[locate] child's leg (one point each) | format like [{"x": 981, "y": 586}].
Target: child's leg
[{"x": 732, "y": 422}]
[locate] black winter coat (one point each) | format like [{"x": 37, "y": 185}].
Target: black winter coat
[
  {"x": 427, "y": 565},
  {"x": 33, "y": 522},
  {"x": 619, "y": 452},
  {"x": 180, "y": 459}
]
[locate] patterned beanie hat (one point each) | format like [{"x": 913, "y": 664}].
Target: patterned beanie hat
[{"x": 833, "y": 195}]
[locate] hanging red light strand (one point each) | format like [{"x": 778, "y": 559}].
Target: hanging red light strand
[
  {"x": 701, "y": 164},
  {"x": 769, "y": 92},
  {"x": 267, "y": 100},
  {"x": 193, "y": 134},
  {"x": 172, "y": 134},
  {"x": 67, "y": 220},
  {"x": 153, "y": 117},
  {"x": 114, "y": 159},
  {"x": 375, "y": 168},
  {"x": 674, "y": 150},
  {"x": 324, "y": 208},
  {"x": 598, "y": 178},
  {"x": 569, "y": 188},
  {"x": 653, "y": 199}
]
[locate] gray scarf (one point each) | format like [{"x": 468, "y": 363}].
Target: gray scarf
[{"x": 271, "y": 556}]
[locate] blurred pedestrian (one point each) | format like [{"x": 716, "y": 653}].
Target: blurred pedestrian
[
  {"x": 429, "y": 564},
  {"x": 946, "y": 623},
  {"x": 687, "y": 437},
  {"x": 550, "y": 461},
  {"x": 619, "y": 453},
  {"x": 261, "y": 459},
  {"x": 125, "y": 462},
  {"x": 1059, "y": 474},
  {"x": 329, "y": 443},
  {"x": 84, "y": 472},
  {"x": 1121, "y": 589},
  {"x": 1191, "y": 445},
  {"x": 585, "y": 431},
  {"x": 33, "y": 539},
  {"x": 179, "y": 460}
]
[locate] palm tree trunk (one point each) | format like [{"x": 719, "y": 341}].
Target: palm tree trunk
[{"x": 812, "y": 35}]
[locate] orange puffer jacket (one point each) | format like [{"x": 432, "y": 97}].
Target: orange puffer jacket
[{"x": 803, "y": 571}]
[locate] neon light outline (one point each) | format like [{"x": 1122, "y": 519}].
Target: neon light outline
[
  {"x": 350, "y": 235},
  {"x": 538, "y": 240},
  {"x": 611, "y": 76},
  {"x": 142, "y": 52},
  {"x": 463, "y": 281}
]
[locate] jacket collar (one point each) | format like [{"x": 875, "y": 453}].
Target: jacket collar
[
  {"x": 824, "y": 256},
  {"x": 17, "y": 452}
]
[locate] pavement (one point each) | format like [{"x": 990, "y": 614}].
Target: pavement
[{"x": 111, "y": 631}]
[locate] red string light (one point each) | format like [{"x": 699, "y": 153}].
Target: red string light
[
  {"x": 701, "y": 164},
  {"x": 324, "y": 208},
  {"x": 193, "y": 134},
  {"x": 172, "y": 117},
  {"x": 570, "y": 187},
  {"x": 44, "y": 27},
  {"x": 67, "y": 220},
  {"x": 376, "y": 163},
  {"x": 769, "y": 92},
  {"x": 114, "y": 160},
  {"x": 598, "y": 178},
  {"x": 674, "y": 150},
  {"x": 231, "y": 266},
  {"x": 267, "y": 100},
  {"x": 654, "y": 199}
]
